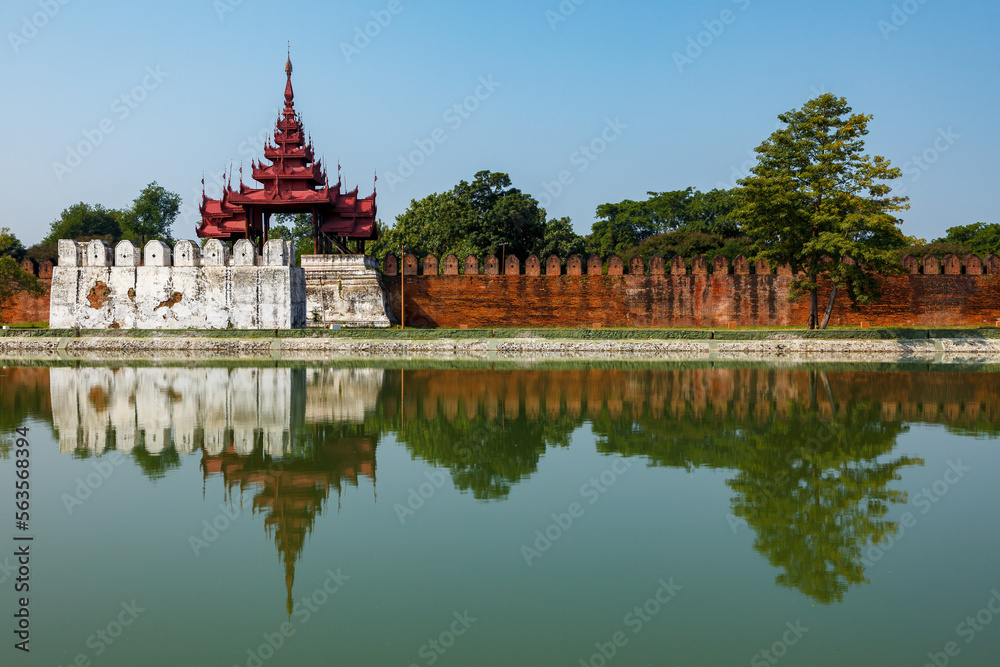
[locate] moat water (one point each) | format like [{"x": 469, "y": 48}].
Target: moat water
[{"x": 674, "y": 515}]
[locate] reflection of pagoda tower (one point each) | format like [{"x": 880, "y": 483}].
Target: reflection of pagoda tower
[{"x": 291, "y": 493}]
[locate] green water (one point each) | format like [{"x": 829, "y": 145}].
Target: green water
[{"x": 676, "y": 516}]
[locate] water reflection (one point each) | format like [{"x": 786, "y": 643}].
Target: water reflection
[
  {"x": 812, "y": 452},
  {"x": 292, "y": 492}
]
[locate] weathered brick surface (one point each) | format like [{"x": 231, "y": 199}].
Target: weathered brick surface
[
  {"x": 684, "y": 301},
  {"x": 21, "y": 309}
]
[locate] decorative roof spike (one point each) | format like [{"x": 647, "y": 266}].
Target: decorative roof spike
[{"x": 289, "y": 93}]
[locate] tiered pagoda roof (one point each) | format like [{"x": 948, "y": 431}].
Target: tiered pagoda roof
[{"x": 294, "y": 182}]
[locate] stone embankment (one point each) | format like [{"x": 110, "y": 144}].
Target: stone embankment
[{"x": 779, "y": 348}]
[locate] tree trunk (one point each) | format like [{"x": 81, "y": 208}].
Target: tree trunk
[
  {"x": 813, "y": 308},
  {"x": 829, "y": 308},
  {"x": 829, "y": 393}
]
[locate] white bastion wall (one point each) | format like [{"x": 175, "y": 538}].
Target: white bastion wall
[{"x": 94, "y": 287}]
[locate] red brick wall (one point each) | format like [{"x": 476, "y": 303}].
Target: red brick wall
[
  {"x": 21, "y": 310},
  {"x": 714, "y": 300}
]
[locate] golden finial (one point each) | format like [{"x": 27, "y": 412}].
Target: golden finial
[{"x": 288, "y": 63}]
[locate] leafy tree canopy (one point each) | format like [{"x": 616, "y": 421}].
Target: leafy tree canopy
[
  {"x": 981, "y": 238},
  {"x": 688, "y": 244},
  {"x": 10, "y": 245},
  {"x": 151, "y": 216},
  {"x": 815, "y": 195},
  {"x": 83, "y": 221},
  {"x": 621, "y": 227},
  {"x": 485, "y": 216}
]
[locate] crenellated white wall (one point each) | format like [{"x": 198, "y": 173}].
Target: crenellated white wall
[{"x": 185, "y": 287}]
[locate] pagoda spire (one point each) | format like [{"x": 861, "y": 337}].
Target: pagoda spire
[{"x": 289, "y": 93}]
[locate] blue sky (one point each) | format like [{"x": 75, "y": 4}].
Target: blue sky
[{"x": 612, "y": 98}]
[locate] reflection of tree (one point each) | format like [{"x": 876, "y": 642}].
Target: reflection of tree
[
  {"x": 814, "y": 487},
  {"x": 488, "y": 443},
  {"x": 485, "y": 456},
  {"x": 154, "y": 466},
  {"x": 817, "y": 492},
  {"x": 24, "y": 394}
]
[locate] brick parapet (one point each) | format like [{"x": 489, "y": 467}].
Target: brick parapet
[{"x": 553, "y": 265}]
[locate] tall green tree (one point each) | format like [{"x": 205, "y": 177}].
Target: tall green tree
[
  {"x": 488, "y": 215},
  {"x": 815, "y": 196},
  {"x": 151, "y": 215},
  {"x": 15, "y": 281}
]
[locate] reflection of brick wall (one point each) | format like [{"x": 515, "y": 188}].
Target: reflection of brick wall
[
  {"x": 23, "y": 309},
  {"x": 683, "y": 301},
  {"x": 954, "y": 399}
]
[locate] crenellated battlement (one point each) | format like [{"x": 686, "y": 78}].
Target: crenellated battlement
[
  {"x": 187, "y": 286},
  {"x": 656, "y": 266},
  {"x": 185, "y": 254}
]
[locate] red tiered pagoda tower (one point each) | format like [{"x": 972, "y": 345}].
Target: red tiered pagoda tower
[{"x": 294, "y": 182}]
